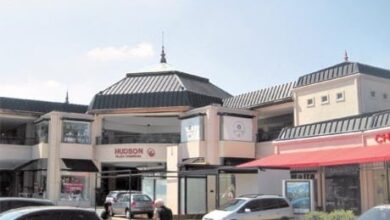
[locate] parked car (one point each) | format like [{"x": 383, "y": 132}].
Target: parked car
[
  {"x": 7, "y": 203},
  {"x": 381, "y": 212},
  {"x": 139, "y": 204},
  {"x": 49, "y": 213},
  {"x": 112, "y": 196},
  {"x": 258, "y": 207}
]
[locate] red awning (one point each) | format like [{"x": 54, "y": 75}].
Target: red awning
[{"x": 343, "y": 156}]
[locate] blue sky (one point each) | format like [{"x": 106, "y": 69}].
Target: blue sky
[{"x": 48, "y": 46}]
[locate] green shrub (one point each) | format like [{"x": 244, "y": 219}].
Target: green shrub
[
  {"x": 316, "y": 216},
  {"x": 335, "y": 215},
  {"x": 341, "y": 215}
]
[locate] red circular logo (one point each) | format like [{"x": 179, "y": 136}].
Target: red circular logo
[{"x": 151, "y": 152}]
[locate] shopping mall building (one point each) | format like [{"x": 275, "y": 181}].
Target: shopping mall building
[{"x": 331, "y": 125}]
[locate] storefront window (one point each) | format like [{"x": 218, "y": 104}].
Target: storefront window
[
  {"x": 227, "y": 188},
  {"x": 342, "y": 188},
  {"x": 74, "y": 186},
  {"x": 76, "y": 132},
  {"x": 42, "y": 131},
  {"x": 155, "y": 188}
]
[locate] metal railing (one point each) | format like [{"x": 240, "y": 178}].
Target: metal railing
[
  {"x": 267, "y": 136},
  {"x": 18, "y": 140},
  {"x": 139, "y": 138}
]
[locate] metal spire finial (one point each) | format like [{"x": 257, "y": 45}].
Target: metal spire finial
[
  {"x": 163, "y": 59},
  {"x": 346, "y": 56},
  {"x": 67, "y": 97}
]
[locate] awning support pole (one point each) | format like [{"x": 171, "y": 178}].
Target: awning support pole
[
  {"x": 130, "y": 194},
  {"x": 387, "y": 181},
  {"x": 96, "y": 176},
  {"x": 179, "y": 197},
  {"x": 217, "y": 189}
]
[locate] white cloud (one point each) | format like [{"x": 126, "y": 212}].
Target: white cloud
[{"x": 139, "y": 51}]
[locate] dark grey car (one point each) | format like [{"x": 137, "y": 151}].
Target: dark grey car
[
  {"x": 7, "y": 203},
  {"x": 139, "y": 204}
]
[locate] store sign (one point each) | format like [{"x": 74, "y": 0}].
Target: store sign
[
  {"x": 382, "y": 138},
  {"x": 301, "y": 195},
  {"x": 130, "y": 152}
]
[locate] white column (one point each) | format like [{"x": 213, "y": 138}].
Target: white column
[{"x": 54, "y": 160}]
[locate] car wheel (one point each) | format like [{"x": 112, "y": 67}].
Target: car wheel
[{"x": 150, "y": 215}]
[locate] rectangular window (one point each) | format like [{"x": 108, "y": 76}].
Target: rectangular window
[
  {"x": 310, "y": 102},
  {"x": 42, "y": 131},
  {"x": 324, "y": 99},
  {"x": 372, "y": 93},
  {"x": 340, "y": 97},
  {"x": 74, "y": 186},
  {"x": 76, "y": 132},
  {"x": 384, "y": 95}
]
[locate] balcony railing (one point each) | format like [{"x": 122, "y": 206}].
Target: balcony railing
[
  {"x": 139, "y": 138},
  {"x": 18, "y": 140}
]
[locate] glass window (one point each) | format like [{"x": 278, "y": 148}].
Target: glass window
[
  {"x": 384, "y": 95},
  {"x": 42, "y": 131},
  {"x": 324, "y": 99},
  {"x": 372, "y": 93},
  {"x": 231, "y": 205},
  {"x": 310, "y": 102},
  {"x": 76, "y": 132},
  {"x": 74, "y": 186},
  {"x": 141, "y": 198},
  {"x": 340, "y": 96},
  {"x": 254, "y": 205}
]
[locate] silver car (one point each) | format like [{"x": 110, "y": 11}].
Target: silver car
[
  {"x": 139, "y": 204},
  {"x": 253, "y": 207},
  {"x": 49, "y": 213}
]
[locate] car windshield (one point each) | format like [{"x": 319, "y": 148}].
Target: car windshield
[
  {"x": 376, "y": 213},
  {"x": 231, "y": 205}
]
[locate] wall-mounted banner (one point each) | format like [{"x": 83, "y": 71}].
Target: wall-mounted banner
[
  {"x": 236, "y": 128},
  {"x": 301, "y": 195},
  {"x": 192, "y": 129}
]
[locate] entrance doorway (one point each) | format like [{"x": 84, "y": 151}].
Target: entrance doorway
[{"x": 6, "y": 186}]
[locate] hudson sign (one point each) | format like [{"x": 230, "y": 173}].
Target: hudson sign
[
  {"x": 131, "y": 152},
  {"x": 382, "y": 138}
]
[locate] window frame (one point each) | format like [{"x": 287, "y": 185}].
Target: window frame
[
  {"x": 312, "y": 104},
  {"x": 76, "y": 137},
  {"x": 326, "y": 101},
  {"x": 342, "y": 99}
]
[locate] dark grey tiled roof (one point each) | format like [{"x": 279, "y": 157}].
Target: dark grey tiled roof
[
  {"x": 39, "y": 106},
  {"x": 159, "y": 89},
  {"x": 341, "y": 70},
  {"x": 274, "y": 94},
  {"x": 339, "y": 126}
]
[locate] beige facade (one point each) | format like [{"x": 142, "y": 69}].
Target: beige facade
[{"x": 305, "y": 113}]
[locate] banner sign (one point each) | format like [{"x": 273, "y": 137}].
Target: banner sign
[
  {"x": 301, "y": 195},
  {"x": 236, "y": 128},
  {"x": 192, "y": 129}
]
